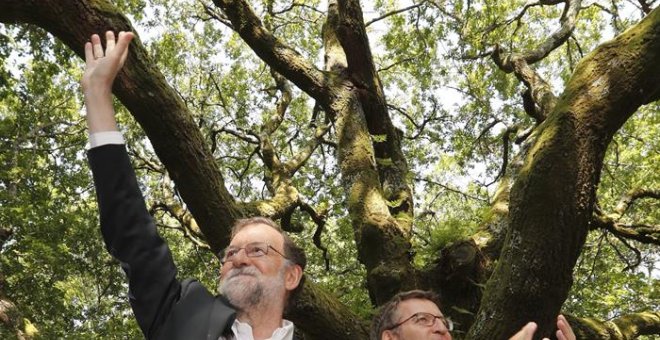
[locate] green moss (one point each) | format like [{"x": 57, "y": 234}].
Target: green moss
[
  {"x": 394, "y": 203},
  {"x": 404, "y": 216},
  {"x": 379, "y": 138},
  {"x": 384, "y": 161}
]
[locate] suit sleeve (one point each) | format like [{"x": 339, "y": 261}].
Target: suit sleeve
[{"x": 130, "y": 236}]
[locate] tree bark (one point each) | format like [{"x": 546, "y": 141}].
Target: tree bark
[
  {"x": 552, "y": 200},
  {"x": 625, "y": 327}
]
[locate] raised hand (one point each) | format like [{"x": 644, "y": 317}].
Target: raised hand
[
  {"x": 564, "y": 331},
  {"x": 101, "y": 68}
]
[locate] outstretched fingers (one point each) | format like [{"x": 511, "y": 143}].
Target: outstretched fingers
[
  {"x": 525, "y": 333},
  {"x": 565, "y": 332},
  {"x": 102, "y": 66},
  {"x": 124, "y": 40},
  {"x": 97, "y": 47},
  {"x": 109, "y": 41},
  {"x": 89, "y": 53},
  {"x": 94, "y": 49}
]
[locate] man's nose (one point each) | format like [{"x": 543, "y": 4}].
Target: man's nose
[
  {"x": 439, "y": 327},
  {"x": 240, "y": 259}
]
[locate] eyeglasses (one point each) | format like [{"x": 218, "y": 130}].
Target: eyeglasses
[
  {"x": 254, "y": 249},
  {"x": 426, "y": 320}
]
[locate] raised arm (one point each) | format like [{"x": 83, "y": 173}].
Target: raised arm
[{"x": 128, "y": 230}]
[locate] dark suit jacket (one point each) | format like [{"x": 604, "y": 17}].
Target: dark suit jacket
[{"x": 164, "y": 307}]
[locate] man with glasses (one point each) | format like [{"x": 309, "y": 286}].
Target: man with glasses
[
  {"x": 414, "y": 315},
  {"x": 258, "y": 279},
  {"x": 261, "y": 269}
]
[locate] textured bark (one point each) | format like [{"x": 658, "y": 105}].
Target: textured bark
[
  {"x": 457, "y": 275},
  {"x": 382, "y": 245},
  {"x": 625, "y": 327},
  {"x": 390, "y": 160},
  {"x": 322, "y": 316},
  {"x": 552, "y": 200}
]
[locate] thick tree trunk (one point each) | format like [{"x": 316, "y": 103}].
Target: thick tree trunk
[
  {"x": 552, "y": 200},
  {"x": 382, "y": 246},
  {"x": 371, "y": 161},
  {"x": 322, "y": 317}
]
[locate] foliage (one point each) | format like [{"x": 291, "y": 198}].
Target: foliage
[{"x": 451, "y": 104}]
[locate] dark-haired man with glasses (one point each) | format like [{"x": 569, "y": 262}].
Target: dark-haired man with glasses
[
  {"x": 411, "y": 315},
  {"x": 262, "y": 268},
  {"x": 415, "y": 315}
]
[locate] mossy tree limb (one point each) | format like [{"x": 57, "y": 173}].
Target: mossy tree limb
[
  {"x": 351, "y": 33},
  {"x": 553, "y": 198},
  {"x": 624, "y": 327}
]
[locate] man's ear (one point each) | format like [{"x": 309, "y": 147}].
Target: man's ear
[
  {"x": 387, "y": 335},
  {"x": 292, "y": 277}
]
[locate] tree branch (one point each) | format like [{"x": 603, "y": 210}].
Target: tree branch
[
  {"x": 301, "y": 157},
  {"x": 643, "y": 233},
  {"x": 624, "y": 327},
  {"x": 448, "y": 188},
  {"x": 389, "y": 14},
  {"x": 272, "y": 51},
  {"x": 630, "y": 197},
  {"x": 606, "y": 88},
  {"x": 556, "y": 39},
  {"x": 189, "y": 226},
  {"x": 386, "y": 139},
  {"x": 506, "y": 140},
  {"x": 271, "y": 124},
  {"x": 540, "y": 92},
  {"x": 319, "y": 219}
]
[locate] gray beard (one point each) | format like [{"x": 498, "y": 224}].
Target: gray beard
[{"x": 246, "y": 293}]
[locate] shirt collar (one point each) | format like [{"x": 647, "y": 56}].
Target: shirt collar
[{"x": 243, "y": 331}]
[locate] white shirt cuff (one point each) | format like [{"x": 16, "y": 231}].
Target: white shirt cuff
[{"x": 106, "y": 137}]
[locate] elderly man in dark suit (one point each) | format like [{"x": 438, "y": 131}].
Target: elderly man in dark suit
[{"x": 261, "y": 269}]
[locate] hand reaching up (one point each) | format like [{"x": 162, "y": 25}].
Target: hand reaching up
[
  {"x": 101, "y": 67},
  {"x": 564, "y": 331}
]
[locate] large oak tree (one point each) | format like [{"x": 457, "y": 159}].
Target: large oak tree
[{"x": 517, "y": 263}]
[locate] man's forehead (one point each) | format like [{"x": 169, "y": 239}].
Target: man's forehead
[
  {"x": 417, "y": 305},
  {"x": 257, "y": 232}
]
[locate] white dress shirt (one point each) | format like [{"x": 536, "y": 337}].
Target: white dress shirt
[
  {"x": 105, "y": 137},
  {"x": 243, "y": 331}
]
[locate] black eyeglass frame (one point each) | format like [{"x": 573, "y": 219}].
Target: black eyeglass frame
[
  {"x": 445, "y": 321},
  {"x": 224, "y": 258}
]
